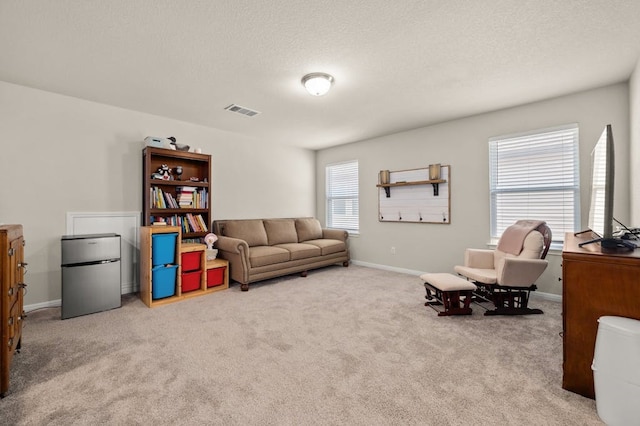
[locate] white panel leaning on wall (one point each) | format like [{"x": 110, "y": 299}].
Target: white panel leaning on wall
[{"x": 416, "y": 195}]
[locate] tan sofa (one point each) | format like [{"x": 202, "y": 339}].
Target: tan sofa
[{"x": 259, "y": 249}]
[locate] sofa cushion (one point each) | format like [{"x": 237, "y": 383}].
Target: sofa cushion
[
  {"x": 300, "y": 250},
  {"x": 308, "y": 228},
  {"x": 280, "y": 231},
  {"x": 328, "y": 246},
  {"x": 252, "y": 231},
  {"x": 267, "y": 255}
]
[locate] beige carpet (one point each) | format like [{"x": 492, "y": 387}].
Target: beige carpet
[{"x": 352, "y": 346}]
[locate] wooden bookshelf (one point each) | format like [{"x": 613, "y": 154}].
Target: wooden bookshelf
[{"x": 194, "y": 218}]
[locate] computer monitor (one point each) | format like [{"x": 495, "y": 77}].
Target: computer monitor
[{"x": 602, "y": 184}]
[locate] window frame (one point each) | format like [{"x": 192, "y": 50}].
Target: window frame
[
  {"x": 562, "y": 162},
  {"x": 350, "y": 223}
]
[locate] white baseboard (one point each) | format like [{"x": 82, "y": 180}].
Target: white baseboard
[
  {"x": 131, "y": 289},
  {"x": 546, "y": 296},
  {"x": 48, "y": 304},
  {"x": 536, "y": 294},
  {"x": 58, "y": 302},
  {"x": 387, "y": 268}
]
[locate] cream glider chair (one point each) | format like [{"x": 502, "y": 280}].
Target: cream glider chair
[{"x": 506, "y": 276}]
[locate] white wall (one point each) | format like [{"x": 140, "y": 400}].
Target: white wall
[
  {"x": 634, "y": 155},
  {"x": 61, "y": 154},
  {"x": 464, "y": 145}
]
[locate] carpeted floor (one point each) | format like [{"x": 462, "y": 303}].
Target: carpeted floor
[{"x": 353, "y": 346}]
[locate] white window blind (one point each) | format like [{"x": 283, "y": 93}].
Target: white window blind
[
  {"x": 535, "y": 176},
  {"x": 342, "y": 196}
]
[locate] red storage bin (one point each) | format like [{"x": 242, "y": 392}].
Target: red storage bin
[
  {"x": 215, "y": 276},
  {"x": 191, "y": 261},
  {"x": 191, "y": 281}
]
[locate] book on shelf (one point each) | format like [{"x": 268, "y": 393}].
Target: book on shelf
[
  {"x": 158, "y": 220},
  {"x": 185, "y": 201},
  {"x": 194, "y": 223},
  {"x": 197, "y": 240},
  {"x": 190, "y": 223},
  {"x": 200, "y": 199},
  {"x": 168, "y": 198},
  {"x": 162, "y": 200},
  {"x": 203, "y": 225},
  {"x": 157, "y": 200}
]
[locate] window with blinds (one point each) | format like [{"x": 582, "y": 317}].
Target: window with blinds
[
  {"x": 342, "y": 196},
  {"x": 535, "y": 175}
]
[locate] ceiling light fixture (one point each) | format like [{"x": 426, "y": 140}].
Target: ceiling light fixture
[{"x": 317, "y": 83}]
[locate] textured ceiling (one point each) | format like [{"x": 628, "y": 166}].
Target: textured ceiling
[{"x": 397, "y": 64}]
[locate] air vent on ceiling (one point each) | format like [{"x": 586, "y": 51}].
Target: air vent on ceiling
[{"x": 242, "y": 110}]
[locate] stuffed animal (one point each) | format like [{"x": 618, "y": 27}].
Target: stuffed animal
[
  {"x": 162, "y": 173},
  {"x": 178, "y": 146}
]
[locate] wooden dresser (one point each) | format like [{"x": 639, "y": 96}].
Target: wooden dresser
[
  {"x": 12, "y": 269},
  {"x": 595, "y": 284}
]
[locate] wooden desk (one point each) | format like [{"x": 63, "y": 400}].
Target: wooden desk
[{"x": 594, "y": 284}]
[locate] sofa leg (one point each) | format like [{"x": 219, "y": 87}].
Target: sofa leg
[
  {"x": 345, "y": 263},
  {"x": 303, "y": 274},
  {"x": 244, "y": 287}
]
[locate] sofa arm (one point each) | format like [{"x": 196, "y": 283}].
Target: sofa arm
[
  {"x": 517, "y": 272},
  {"x": 478, "y": 258},
  {"x": 232, "y": 245},
  {"x": 335, "y": 234},
  {"x": 236, "y": 251}
]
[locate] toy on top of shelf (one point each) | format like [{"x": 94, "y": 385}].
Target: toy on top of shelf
[
  {"x": 209, "y": 239},
  {"x": 178, "y": 146}
]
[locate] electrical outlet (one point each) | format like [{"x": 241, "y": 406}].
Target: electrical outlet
[{"x": 393, "y": 250}]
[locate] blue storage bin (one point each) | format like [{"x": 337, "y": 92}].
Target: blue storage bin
[
  {"x": 163, "y": 248},
  {"x": 163, "y": 281}
]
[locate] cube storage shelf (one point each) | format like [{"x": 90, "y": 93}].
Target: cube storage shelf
[
  {"x": 217, "y": 274},
  {"x": 171, "y": 270},
  {"x": 192, "y": 260}
]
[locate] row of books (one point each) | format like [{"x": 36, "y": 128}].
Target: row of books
[
  {"x": 188, "y": 222},
  {"x": 187, "y": 197}
]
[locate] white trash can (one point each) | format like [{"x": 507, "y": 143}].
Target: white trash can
[{"x": 616, "y": 370}]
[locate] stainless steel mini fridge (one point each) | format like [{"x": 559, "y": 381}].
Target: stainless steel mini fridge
[{"x": 90, "y": 274}]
